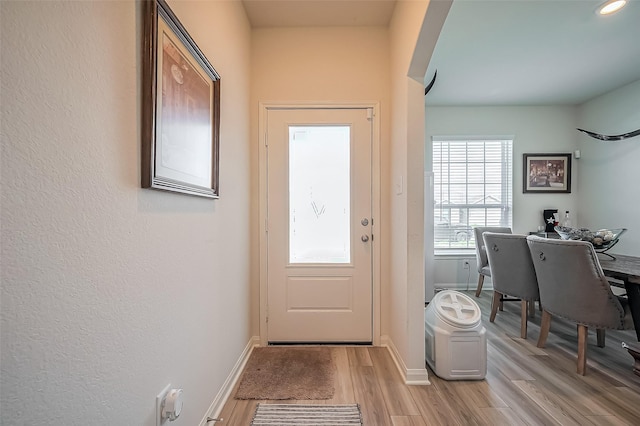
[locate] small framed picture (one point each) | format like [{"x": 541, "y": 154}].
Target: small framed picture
[
  {"x": 545, "y": 173},
  {"x": 180, "y": 110}
]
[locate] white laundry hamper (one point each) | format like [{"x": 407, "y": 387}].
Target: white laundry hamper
[{"x": 456, "y": 342}]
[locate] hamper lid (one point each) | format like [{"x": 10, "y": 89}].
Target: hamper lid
[{"x": 457, "y": 308}]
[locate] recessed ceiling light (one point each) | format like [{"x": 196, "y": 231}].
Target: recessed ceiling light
[{"x": 611, "y": 6}]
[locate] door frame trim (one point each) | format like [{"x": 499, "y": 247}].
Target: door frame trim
[{"x": 375, "y": 200}]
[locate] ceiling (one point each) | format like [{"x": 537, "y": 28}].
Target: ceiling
[
  {"x": 498, "y": 52},
  {"x": 540, "y": 52},
  {"x": 318, "y": 13}
]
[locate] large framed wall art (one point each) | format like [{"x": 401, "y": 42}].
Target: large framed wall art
[{"x": 181, "y": 108}]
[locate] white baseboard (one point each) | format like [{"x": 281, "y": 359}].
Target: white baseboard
[
  {"x": 221, "y": 398},
  {"x": 411, "y": 376},
  {"x": 463, "y": 286}
]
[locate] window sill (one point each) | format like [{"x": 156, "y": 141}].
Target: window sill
[{"x": 454, "y": 254}]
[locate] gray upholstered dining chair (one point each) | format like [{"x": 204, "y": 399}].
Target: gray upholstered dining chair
[
  {"x": 481, "y": 254},
  {"x": 512, "y": 273},
  {"x": 572, "y": 286}
]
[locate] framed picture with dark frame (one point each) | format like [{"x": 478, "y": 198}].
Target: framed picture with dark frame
[
  {"x": 180, "y": 108},
  {"x": 546, "y": 173}
]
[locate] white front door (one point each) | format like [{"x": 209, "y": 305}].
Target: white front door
[{"x": 319, "y": 231}]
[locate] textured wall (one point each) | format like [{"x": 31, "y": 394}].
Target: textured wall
[
  {"x": 407, "y": 172},
  {"x": 332, "y": 64},
  {"x": 109, "y": 291},
  {"x": 609, "y": 172}
]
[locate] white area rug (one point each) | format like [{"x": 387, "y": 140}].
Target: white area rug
[{"x": 305, "y": 414}]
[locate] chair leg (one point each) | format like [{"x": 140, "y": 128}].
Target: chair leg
[
  {"x": 582, "y": 349},
  {"x": 532, "y": 308},
  {"x": 600, "y": 336},
  {"x": 544, "y": 329},
  {"x": 480, "y": 282},
  {"x": 494, "y": 305},
  {"x": 523, "y": 318},
  {"x": 501, "y": 306},
  {"x": 634, "y": 351}
]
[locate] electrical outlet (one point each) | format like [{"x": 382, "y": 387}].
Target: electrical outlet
[
  {"x": 465, "y": 265},
  {"x": 159, "y": 400}
]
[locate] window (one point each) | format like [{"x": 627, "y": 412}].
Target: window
[
  {"x": 472, "y": 187},
  {"x": 319, "y": 194}
]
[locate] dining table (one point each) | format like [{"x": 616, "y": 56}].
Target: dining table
[{"x": 626, "y": 269}]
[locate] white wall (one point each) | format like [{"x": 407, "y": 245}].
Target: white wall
[
  {"x": 320, "y": 65},
  {"x": 610, "y": 172},
  {"x": 543, "y": 129},
  {"x": 413, "y": 36},
  {"x": 110, "y": 291}
]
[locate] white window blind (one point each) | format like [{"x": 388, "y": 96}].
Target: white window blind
[{"x": 472, "y": 187}]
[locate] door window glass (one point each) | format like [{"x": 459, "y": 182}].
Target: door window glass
[{"x": 319, "y": 194}]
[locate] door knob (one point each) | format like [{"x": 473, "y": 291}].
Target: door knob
[
  {"x": 364, "y": 221},
  {"x": 364, "y": 238}
]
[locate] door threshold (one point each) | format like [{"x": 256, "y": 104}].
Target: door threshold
[{"x": 320, "y": 344}]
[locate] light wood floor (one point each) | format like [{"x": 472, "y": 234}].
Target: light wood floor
[{"x": 524, "y": 385}]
